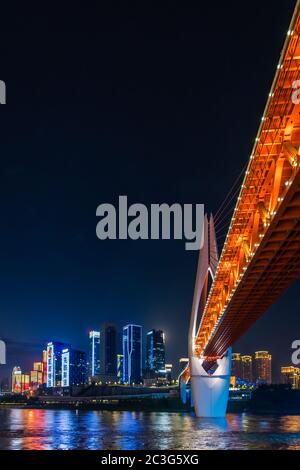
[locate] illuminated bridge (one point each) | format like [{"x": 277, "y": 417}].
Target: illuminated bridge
[{"x": 261, "y": 254}]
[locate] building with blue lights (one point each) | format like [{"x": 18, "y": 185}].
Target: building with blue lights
[
  {"x": 94, "y": 353},
  {"x": 132, "y": 354},
  {"x": 155, "y": 347},
  {"x": 54, "y": 363},
  {"x": 120, "y": 361},
  {"x": 74, "y": 367},
  {"x": 108, "y": 353}
]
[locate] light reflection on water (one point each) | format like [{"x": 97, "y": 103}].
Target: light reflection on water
[{"x": 68, "y": 429}]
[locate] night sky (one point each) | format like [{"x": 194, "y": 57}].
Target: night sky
[{"x": 159, "y": 104}]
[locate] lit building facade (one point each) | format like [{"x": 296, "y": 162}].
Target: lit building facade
[
  {"x": 36, "y": 375},
  {"x": 38, "y": 366},
  {"x": 120, "y": 360},
  {"x": 36, "y": 379},
  {"x": 247, "y": 375},
  {"x": 155, "y": 346},
  {"x": 236, "y": 365},
  {"x": 232, "y": 383},
  {"x": 263, "y": 367},
  {"x": 74, "y": 367},
  {"x": 16, "y": 380},
  {"x": 54, "y": 363},
  {"x": 22, "y": 383},
  {"x": 25, "y": 383},
  {"x": 45, "y": 367},
  {"x": 132, "y": 352},
  {"x": 291, "y": 375},
  {"x": 94, "y": 353},
  {"x": 108, "y": 353}
]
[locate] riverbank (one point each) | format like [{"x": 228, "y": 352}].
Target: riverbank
[
  {"x": 264, "y": 400},
  {"x": 146, "y": 404}
]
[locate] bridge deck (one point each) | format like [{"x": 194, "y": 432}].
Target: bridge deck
[
  {"x": 261, "y": 254},
  {"x": 275, "y": 265}
]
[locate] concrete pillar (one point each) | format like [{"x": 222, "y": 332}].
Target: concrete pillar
[{"x": 210, "y": 392}]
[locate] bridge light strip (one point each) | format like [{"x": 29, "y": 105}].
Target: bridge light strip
[
  {"x": 288, "y": 183},
  {"x": 241, "y": 274},
  {"x": 233, "y": 219}
]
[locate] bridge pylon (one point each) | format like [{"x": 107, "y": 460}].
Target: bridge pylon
[
  {"x": 210, "y": 384},
  {"x": 210, "y": 391}
]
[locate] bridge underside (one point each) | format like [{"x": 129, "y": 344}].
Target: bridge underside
[
  {"x": 260, "y": 258},
  {"x": 275, "y": 265},
  {"x": 261, "y": 253}
]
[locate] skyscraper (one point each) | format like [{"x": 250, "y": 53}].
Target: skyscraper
[
  {"x": 236, "y": 365},
  {"x": 36, "y": 375},
  {"x": 155, "y": 361},
  {"x": 54, "y": 363},
  {"x": 120, "y": 361},
  {"x": 94, "y": 354},
  {"x": 16, "y": 379},
  {"x": 263, "y": 367},
  {"x": 44, "y": 366},
  {"x": 132, "y": 352},
  {"x": 108, "y": 352},
  {"x": 25, "y": 383},
  {"x": 73, "y": 367},
  {"x": 247, "y": 368}
]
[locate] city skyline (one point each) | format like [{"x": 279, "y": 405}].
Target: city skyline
[
  {"x": 28, "y": 354},
  {"x": 237, "y": 357},
  {"x": 245, "y": 370}
]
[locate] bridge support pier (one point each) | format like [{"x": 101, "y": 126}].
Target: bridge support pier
[
  {"x": 183, "y": 392},
  {"x": 210, "y": 391}
]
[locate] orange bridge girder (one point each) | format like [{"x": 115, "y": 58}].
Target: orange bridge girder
[{"x": 261, "y": 254}]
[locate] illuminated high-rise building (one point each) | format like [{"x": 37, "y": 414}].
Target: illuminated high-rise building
[
  {"x": 20, "y": 383},
  {"x": 263, "y": 367},
  {"x": 247, "y": 375},
  {"x": 38, "y": 366},
  {"x": 45, "y": 367},
  {"x": 108, "y": 352},
  {"x": 36, "y": 379},
  {"x": 54, "y": 363},
  {"x": 94, "y": 354},
  {"x": 36, "y": 375},
  {"x": 16, "y": 379},
  {"x": 25, "y": 383},
  {"x": 120, "y": 361},
  {"x": 74, "y": 367},
  {"x": 132, "y": 352},
  {"x": 291, "y": 375},
  {"x": 155, "y": 345},
  {"x": 236, "y": 365}
]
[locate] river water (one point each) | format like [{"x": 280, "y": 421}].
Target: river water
[{"x": 70, "y": 429}]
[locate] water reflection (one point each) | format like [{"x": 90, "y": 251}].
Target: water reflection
[{"x": 68, "y": 429}]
